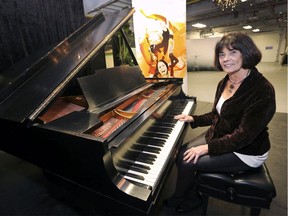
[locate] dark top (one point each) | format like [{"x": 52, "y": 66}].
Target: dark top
[{"x": 242, "y": 124}]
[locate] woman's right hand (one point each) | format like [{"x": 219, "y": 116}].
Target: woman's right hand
[
  {"x": 194, "y": 153},
  {"x": 184, "y": 117}
]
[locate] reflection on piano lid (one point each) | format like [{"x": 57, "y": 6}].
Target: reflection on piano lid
[{"x": 109, "y": 132}]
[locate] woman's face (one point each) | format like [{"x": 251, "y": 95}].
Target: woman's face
[
  {"x": 162, "y": 68},
  {"x": 230, "y": 60}
]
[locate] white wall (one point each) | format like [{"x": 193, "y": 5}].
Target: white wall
[
  {"x": 200, "y": 52},
  {"x": 270, "y": 44}
]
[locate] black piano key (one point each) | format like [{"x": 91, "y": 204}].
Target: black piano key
[
  {"x": 163, "y": 124},
  {"x": 145, "y": 160},
  {"x": 132, "y": 155},
  {"x": 126, "y": 165},
  {"x": 138, "y": 169},
  {"x": 171, "y": 115},
  {"x": 147, "y": 156},
  {"x": 150, "y": 156},
  {"x": 151, "y": 141},
  {"x": 142, "y": 166},
  {"x": 160, "y": 129},
  {"x": 155, "y": 134},
  {"x": 175, "y": 111},
  {"x": 169, "y": 119},
  {"x": 132, "y": 175},
  {"x": 178, "y": 107},
  {"x": 155, "y": 144},
  {"x": 146, "y": 148}
]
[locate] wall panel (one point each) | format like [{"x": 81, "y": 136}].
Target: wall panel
[{"x": 27, "y": 26}]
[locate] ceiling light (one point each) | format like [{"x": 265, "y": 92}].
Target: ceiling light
[
  {"x": 225, "y": 4},
  {"x": 256, "y": 30},
  {"x": 247, "y": 27},
  {"x": 199, "y": 25}
]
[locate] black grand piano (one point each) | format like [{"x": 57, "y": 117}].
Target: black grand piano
[{"x": 107, "y": 131}]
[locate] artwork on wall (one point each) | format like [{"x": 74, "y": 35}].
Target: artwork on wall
[{"x": 160, "y": 37}]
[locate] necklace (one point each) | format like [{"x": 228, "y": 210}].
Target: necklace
[{"x": 232, "y": 85}]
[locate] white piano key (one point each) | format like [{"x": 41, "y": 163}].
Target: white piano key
[{"x": 157, "y": 167}]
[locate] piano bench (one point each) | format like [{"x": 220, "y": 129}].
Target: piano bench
[{"x": 254, "y": 189}]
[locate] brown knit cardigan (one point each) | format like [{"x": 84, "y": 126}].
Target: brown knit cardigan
[{"x": 242, "y": 124}]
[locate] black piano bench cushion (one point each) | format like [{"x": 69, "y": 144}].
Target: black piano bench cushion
[{"x": 254, "y": 189}]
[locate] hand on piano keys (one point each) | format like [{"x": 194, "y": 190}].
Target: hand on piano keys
[
  {"x": 154, "y": 147},
  {"x": 184, "y": 117}
]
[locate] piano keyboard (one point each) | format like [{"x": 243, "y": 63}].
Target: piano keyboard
[{"x": 154, "y": 148}]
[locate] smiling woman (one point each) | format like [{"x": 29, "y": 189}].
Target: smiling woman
[
  {"x": 237, "y": 139},
  {"x": 162, "y": 69}
]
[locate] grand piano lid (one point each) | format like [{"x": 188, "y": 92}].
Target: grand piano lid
[{"x": 28, "y": 92}]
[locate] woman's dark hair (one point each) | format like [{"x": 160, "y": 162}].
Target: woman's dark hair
[{"x": 244, "y": 44}]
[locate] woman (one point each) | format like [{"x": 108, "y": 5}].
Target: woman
[
  {"x": 237, "y": 139},
  {"x": 162, "y": 69}
]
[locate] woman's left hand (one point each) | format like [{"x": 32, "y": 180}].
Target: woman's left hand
[
  {"x": 195, "y": 152},
  {"x": 184, "y": 117}
]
